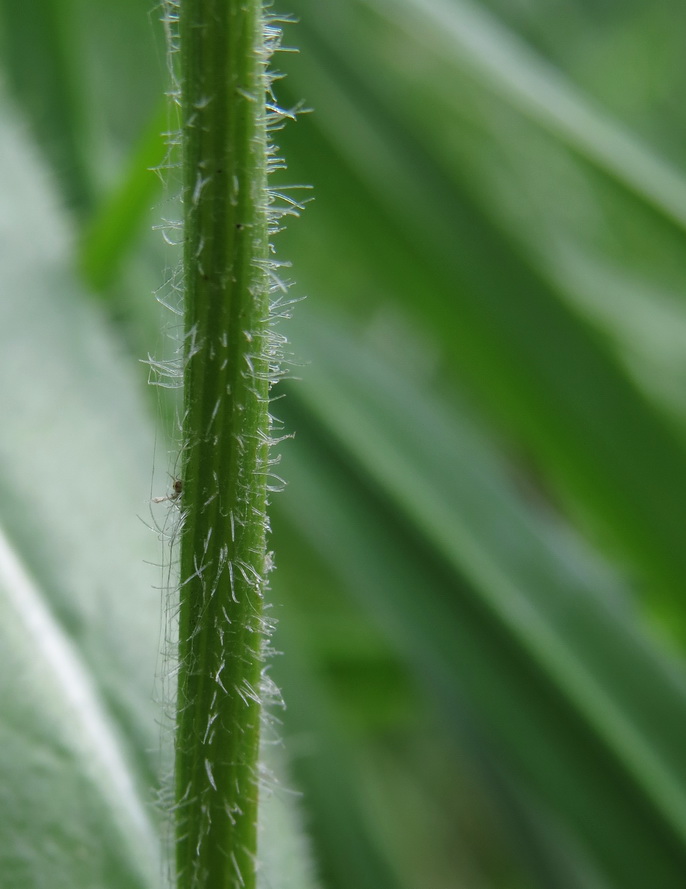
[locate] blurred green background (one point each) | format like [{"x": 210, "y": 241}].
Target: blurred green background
[{"x": 481, "y": 548}]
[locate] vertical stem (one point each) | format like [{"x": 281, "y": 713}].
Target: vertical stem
[{"x": 225, "y": 441}]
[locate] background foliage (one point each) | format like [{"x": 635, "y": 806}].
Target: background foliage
[{"x": 480, "y": 551}]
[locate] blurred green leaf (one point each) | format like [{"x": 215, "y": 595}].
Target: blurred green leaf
[
  {"x": 116, "y": 227},
  {"x": 464, "y": 35},
  {"x": 501, "y": 319},
  {"x": 80, "y": 617},
  {"x": 503, "y": 605},
  {"x": 40, "y": 57}
]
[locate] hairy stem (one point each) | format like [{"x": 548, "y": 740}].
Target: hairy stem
[{"x": 226, "y": 431}]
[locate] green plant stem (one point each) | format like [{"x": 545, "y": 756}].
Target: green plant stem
[{"x": 225, "y": 441}]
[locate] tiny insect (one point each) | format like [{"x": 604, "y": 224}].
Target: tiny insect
[{"x": 177, "y": 490}]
